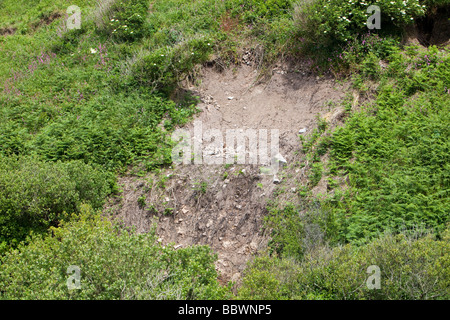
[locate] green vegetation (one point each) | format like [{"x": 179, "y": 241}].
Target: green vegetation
[
  {"x": 35, "y": 195},
  {"x": 79, "y": 107},
  {"x": 395, "y": 151},
  {"x": 115, "y": 263},
  {"x": 409, "y": 267}
]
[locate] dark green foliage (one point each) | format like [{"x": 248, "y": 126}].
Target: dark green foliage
[
  {"x": 295, "y": 231},
  {"x": 35, "y": 195},
  {"x": 287, "y": 231}
]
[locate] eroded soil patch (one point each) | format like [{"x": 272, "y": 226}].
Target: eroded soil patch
[{"x": 223, "y": 205}]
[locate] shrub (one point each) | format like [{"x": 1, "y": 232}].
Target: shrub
[
  {"x": 115, "y": 263},
  {"x": 123, "y": 19},
  {"x": 36, "y": 195},
  {"x": 165, "y": 67},
  {"x": 411, "y": 268},
  {"x": 334, "y": 33},
  {"x": 325, "y": 21}
]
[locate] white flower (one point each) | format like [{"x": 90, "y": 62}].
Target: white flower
[
  {"x": 93, "y": 50},
  {"x": 192, "y": 53},
  {"x": 112, "y": 19}
]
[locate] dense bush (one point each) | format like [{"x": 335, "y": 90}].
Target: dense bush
[
  {"x": 326, "y": 22},
  {"x": 35, "y": 195},
  {"x": 115, "y": 263},
  {"x": 163, "y": 68},
  {"x": 123, "y": 19},
  {"x": 294, "y": 233},
  {"x": 333, "y": 35},
  {"x": 410, "y": 268}
]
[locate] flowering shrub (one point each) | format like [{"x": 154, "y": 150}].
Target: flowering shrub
[
  {"x": 127, "y": 20},
  {"x": 338, "y": 20}
]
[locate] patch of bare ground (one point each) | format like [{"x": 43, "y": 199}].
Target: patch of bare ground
[
  {"x": 223, "y": 205},
  {"x": 45, "y": 20},
  {"x": 7, "y": 31}
]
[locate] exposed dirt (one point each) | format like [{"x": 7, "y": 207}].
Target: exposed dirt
[
  {"x": 46, "y": 20},
  {"x": 223, "y": 205},
  {"x": 7, "y": 31}
]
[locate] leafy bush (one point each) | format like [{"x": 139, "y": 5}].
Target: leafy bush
[
  {"x": 410, "y": 268},
  {"x": 333, "y": 35},
  {"x": 115, "y": 263},
  {"x": 123, "y": 19},
  {"x": 325, "y": 22},
  {"x": 36, "y": 195},
  {"x": 165, "y": 67}
]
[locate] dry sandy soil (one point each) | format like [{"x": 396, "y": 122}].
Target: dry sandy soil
[{"x": 223, "y": 205}]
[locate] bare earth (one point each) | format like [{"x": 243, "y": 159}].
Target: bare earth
[{"x": 218, "y": 205}]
